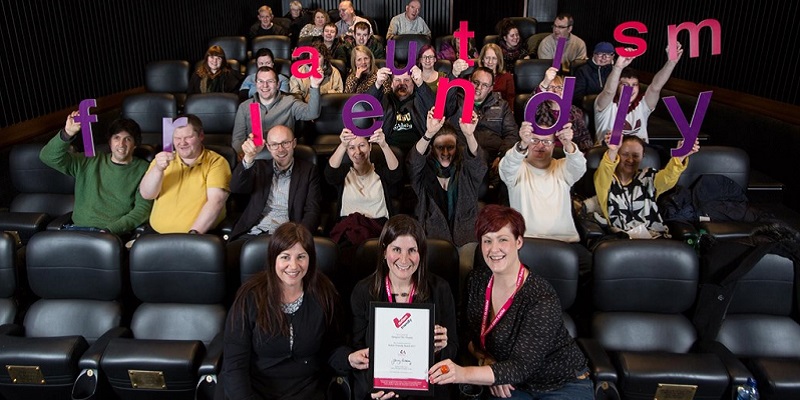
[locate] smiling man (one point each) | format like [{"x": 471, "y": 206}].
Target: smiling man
[
  {"x": 106, "y": 195},
  {"x": 189, "y": 186}
]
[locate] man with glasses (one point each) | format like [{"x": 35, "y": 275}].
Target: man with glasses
[
  {"x": 276, "y": 107},
  {"x": 590, "y": 77},
  {"x": 264, "y": 58},
  {"x": 539, "y": 186},
  {"x": 282, "y": 189},
  {"x": 496, "y": 131},
  {"x": 575, "y": 48},
  {"x": 348, "y": 20}
]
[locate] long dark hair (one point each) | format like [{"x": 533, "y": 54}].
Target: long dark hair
[
  {"x": 402, "y": 225},
  {"x": 264, "y": 288}
]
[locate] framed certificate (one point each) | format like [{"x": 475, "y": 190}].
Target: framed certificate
[{"x": 400, "y": 339}]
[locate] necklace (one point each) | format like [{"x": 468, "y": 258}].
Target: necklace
[{"x": 400, "y": 294}]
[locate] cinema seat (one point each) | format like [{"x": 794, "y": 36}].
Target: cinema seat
[
  {"x": 280, "y": 45},
  {"x": 402, "y": 44},
  {"x": 529, "y": 73},
  {"x": 148, "y": 110}
]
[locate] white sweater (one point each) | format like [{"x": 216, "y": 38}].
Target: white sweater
[{"x": 542, "y": 196}]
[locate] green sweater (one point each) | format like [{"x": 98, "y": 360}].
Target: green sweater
[{"x": 106, "y": 194}]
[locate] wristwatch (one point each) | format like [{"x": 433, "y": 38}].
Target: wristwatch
[
  {"x": 194, "y": 232},
  {"x": 520, "y": 148}
]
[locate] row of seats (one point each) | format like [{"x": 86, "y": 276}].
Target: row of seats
[{"x": 641, "y": 333}]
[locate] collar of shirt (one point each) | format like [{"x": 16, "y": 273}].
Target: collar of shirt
[{"x": 282, "y": 172}]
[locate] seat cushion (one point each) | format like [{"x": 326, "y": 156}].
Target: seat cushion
[
  {"x": 640, "y": 373},
  {"x": 778, "y": 378}
]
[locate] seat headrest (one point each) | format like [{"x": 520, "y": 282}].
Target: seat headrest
[
  {"x": 8, "y": 265},
  {"x": 555, "y": 261},
  {"x": 30, "y": 175}
]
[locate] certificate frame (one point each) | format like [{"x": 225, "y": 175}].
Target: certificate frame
[{"x": 397, "y": 333}]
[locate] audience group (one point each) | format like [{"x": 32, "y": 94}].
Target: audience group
[{"x": 448, "y": 158}]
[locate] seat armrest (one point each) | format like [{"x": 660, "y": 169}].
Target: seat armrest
[
  {"x": 737, "y": 371},
  {"x": 212, "y": 362},
  {"x": 681, "y": 230},
  {"x": 91, "y": 358},
  {"x": 59, "y": 221},
  {"x": 599, "y": 362},
  {"x": 12, "y": 330}
]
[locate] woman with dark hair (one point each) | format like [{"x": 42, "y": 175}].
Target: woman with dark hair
[
  {"x": 511, "y": 44},
  {"x": 315, "y": 28},
  {"x": 492, "y": 57},
  {"x": 627, "y": 195},
  {"x": 282, "y": 331},
  {"x": 426, "y": 61},
  {"x": 402, "y": 276},
  {"x": 447, "y": 180},
  {"x": 214, "y": 75},
  {"x": 451, "y": 50},
  {"x": 331, "y": 81},
  {"x": 514, "y": 323}
]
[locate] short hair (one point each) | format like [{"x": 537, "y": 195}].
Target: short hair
[
  {"x": 422, "y": 51},
  {"x": 493, "y": 217},
  {"x": 483, "y": 69},
  {"x": 267, "y": 69},
  {"x": 263, "y": 52},
  {"x": 349, "y": 4},
  {"x": 265, "y": 8},
  {"x": 501, "y": 65},
  {"x": 566, "y": 16},
  {"x": 506, "y": 26},
  {"x": 194, "y": 121},
  {"x": 634, "y": 138},
  {"x": 629, "y": 73},
  {"x": 325, "y": 14},
  {"x": 125, "y": 125},
  {"x": 363, "y": 26},
  {"x": 296, "y": 3},
  {"x": 333, "y": 24},
  {"x": 412, "y": 1}
]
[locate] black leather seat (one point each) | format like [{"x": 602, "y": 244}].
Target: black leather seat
[
  {"x": 323, "y": 133},
  {"x": 176, "y": 341},
  {"x": 78, "y": 277},
  {"x": 149, "y": 110},
  {"x": 529, "y": 73},
  {"x": 44, "y": 195},
  {"x": 641, "y": 290},
  {"x": 8, "y": 278},
  {"x": 167, "y": 76},
  {"x": 401, "y": 47},
  {"x": 557, "y": 262},
  {"x": 282, "y": 65},
  {"x": 280, "y": 45},
  {"x": 218, "y": 113},
  {"x": 253, "y": 258},
  {"x": 235, "y": 47},
  {"x": 759, "y": 329}
]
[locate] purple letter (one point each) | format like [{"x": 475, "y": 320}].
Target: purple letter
[
  {"x": 463, "y": 34},
  {"x": 441, "y": 93},
  {"x": 689, "y": 131},
  {"x": 86, "y": 119},
  {"x": 255, "y": 124},
  {"x": 694, "y": 37},
  {"x": 348, "y": 115},
  {"x": 564, "y": 102},
  {"x": 412, "y": 51},
  {"x": 622, "y": 112},
  {"x": 562, "y": 42},
  {"x": 169, "y": 127},
  {"x": 313, "y": 61}
]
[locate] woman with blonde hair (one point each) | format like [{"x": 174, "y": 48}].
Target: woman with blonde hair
[
  {"x": 363, "y": 73},
  {"x": 492, "y": 57}
]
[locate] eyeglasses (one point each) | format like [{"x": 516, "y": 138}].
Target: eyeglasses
[
  {"x": 545, "y": 142},
  {"x": 479, "y": 84},
  {"x": 560, "y": 27},
  {"x": 555, "y": 87},
  {"x": 442, "y": 147},
  {"x": 604, "y": 55},
  {"x": 266, "y": 82},
  {"x": 629, "y": 84},
  {"x": 285, "y": 145},
  {"x": 428, "y": 57}
]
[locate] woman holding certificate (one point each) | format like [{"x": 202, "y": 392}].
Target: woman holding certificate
[
  {"x": 514, "y": 323},
  {"x": 281, "y": 332},
  {"x": 402, "y": 277}
]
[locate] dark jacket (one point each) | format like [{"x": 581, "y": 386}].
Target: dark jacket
[
  {"x": 422, "y": 102},
  {"x": 496, "y": 131},
  {"x": 589, "y": 79},
  {"x": 304, "y": 193}
]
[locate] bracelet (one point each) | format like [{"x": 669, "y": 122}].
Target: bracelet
[
  {"x": 520, "y": 148},
  {"x": 426, "y": 138}
]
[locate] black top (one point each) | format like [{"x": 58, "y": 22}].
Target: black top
[
  {"x": 259, "y": 367},
  {"x": 531, "y": 345}
]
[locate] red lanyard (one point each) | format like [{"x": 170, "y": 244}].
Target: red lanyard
[
  {"x": 486, "y": 329},
  {"x": 389, "y": 291}
]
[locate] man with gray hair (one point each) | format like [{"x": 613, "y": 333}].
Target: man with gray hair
[
  {"x": 408, "y": 22},
  {"x": 346, "y": 24}
]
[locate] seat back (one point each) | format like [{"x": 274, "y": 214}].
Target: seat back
[
  {"x": 180, "y": 279},
  {"x": 253, "y": 257},
  {"x": 280, "y": 45},
  {"x": 41, "y": 188},
  {"x": 235, "y": 47},
  {"x": 329, "y": 121},
  {"x": 557, "y": 262},
  {"x": 641, "y": 289},
  {"x": 758, "y": 322},
  {"x": 167, "y": 76},
  {"x": 8, "y": 278},
  {"x": 529, "y": 73},
  {"x": 437, "y": 43},
  {"x": 401, "y": 44},
  {"x": 218, "y": 113},
  {"x": 729, "y": 161},
  {"x": 78, "y": 276},
  {"x": 443, "y": 261},
  {"x": 148, "y": 110}
]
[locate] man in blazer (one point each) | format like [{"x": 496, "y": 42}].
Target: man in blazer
[{"x": 281, "y": 189}]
